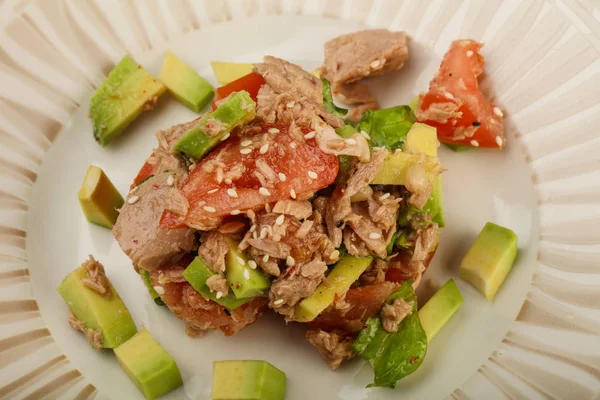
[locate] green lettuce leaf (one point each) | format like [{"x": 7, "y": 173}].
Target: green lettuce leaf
[
  {"x": 393, "y": 355},
  {"x": 387, "y": 127},
  {"x": 328, "y": 101}
]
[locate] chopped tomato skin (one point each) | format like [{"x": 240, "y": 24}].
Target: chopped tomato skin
[
  {"x": 235, "y": 176},
  {"x": 455, "y": 106},
  {"x": 146, "y": 172},
  {"x": 250, "y": 83}
]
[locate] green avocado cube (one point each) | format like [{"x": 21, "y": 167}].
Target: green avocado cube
[
  {"x": 244, "y": 281},
  {"x": 247, "y": 380},
  {"x": 342, "y": 276},
  {"x": 155, "y": 296},
  {"x": 99, "y": 199},
  {"x": 440, "y": 308},
  {"x": 197, "y": 274},
  {"x": 128, "y": 90},
  {"x": 184, "y": 83},
  {"x": 148, "y": 365},
  {"x": 396, "y": 164},
  {"x": 422, "y": 138},
  {"x": 106, "y": 313},
  {"x": 236, "y": 110},
  {"x": 489, "y": 260}
]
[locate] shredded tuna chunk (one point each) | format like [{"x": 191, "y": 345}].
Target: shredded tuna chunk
[
  {"x": 194, "y": 332},
  {"x": 439, "y": 112},
  {"x": 417, "y": 182},
  {"x": 338, "y": 208},
  {"x": 171, "y": 275},
  {"x": 96, "y": 277},
  {"x": 359, "y": 95},
  {"x": 333, "y": 347},
  {"x": 271, "y": 247},
  {"x": 304, "y": 229},
  {"x": 354, "y": 244},
  {"x": 375, "y": 273},
  {"x": 94, "y": 336},
  {"x": 366, "y": 172},
  {"x": 213, "y": 250},
  {"x": 370, "y": 234},
  {"x": 331, "y": 143},
  {"x": 284, "y": 76},
  {"x": 297, "y": 209},
  {"x": 383, "y": 213},
  {"x": 218, "y": 284},
  {"x": 301, "y": 282},
  {"x": 393, "y": 314}
]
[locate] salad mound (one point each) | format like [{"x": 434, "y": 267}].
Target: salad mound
[{"x": 279, "y": 200}]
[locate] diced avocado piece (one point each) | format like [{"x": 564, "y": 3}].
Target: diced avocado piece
[
  {"x": 106, "y": 313},
  {"x": 422, "y": 138},
  {"x": 414, "y": 104},
  {"x": 197, "y": 273},
  {"x": 440, "y": 308},
  {"x": 127, "y": 91},
  {"x": 338, "y": 281},
  {"x": 148, "y": 365},
  {"x": 490, "y": 259},
  {"x": 243, "y": 280},
  {"x": 155, "y": 296},
  {"x": 432, "y": 211},
  {"x": 247, "y": 380},
  {"x": 237, "y": 110},
  {"x": 99, "y": 198},
  {"x": 457, "y": 148},
  {"x": 227, "y": 72},
  {"x": 184, "y": 83},
  {"x": 393, "y": 171}
]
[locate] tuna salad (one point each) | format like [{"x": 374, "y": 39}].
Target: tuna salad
[{"x": 278, "y": 200}]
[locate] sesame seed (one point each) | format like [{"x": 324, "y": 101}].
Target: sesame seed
[
  {"x": 267, "y": 207},
  {"x": 246, "y": 143},
  {"x": 231, "y": 192},
  {"x": 289, "y": 261},
  {"x": 384, "y": 196},
  {"x": 228, "y": 181},
  {"x": 240, "y": 260},
  {"x": 448, "y": 95},
  {"x": 293, "y": 145},
  {"x": 263, "y": 233},
  {"x": 264, "y": 148},
  {"x": 278, "y": 302},
  {"x": 280, "y": 219},
  {"x": 312, "y": 175},
  {"x": 219, "y": 295},
  {"x": 246, "y": 274},
  {"x": 209, "y": 209},
  {"x": 252, "y": 264},
  {"x": 265, "y": 258},
  {"x": 159, "y": 289},
  {"x": 498, "y": 112},
  {"x": 133, "y": 199},
  {"x": 282, "y": 177},
  {"x": 235, "y": 212},
  {"x": 290, "y": 104},
  {"x": 499, "y": 141},
  {"x": 334, "y": 254},
  {"x": 253, "y": 228},
  {"x": 293, "y": 193},
  {"x": 191, "y": 167},
  {"x": 270, "y": 230},
  {"x": 264, "y": 191},
  {"x": 374, "y": 235},
  {"x": 273, "y": 130},
  {"x": 366, "y": 135},
  {"x": 225, "y": 137},
  {"x": 212, "y": 191},
  {"x": 474, "y": 143},
  {"x": 246, "y": 150},
  {"x": 310, "y": 135},
  {"x": 375, "y": 64},
  {"x": 170, "y": 180},
  {"x": 255, "y": 235},
  {"x": 351, "y": 141},
  {"x": 469, "y": 53},
  {"x": 135, "y": 189}
]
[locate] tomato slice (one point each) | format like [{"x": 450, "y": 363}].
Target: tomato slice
[
  {"x": 262, "y": 166},
  {"x": 455, "y": 105},
  {"x": 250, "y": 83},
  {"x": 146, "y": 172}
]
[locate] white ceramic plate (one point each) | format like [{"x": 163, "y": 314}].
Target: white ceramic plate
[{"x": 540, "y": 337}]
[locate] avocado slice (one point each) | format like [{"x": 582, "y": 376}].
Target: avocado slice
[
  {"x": 106, "y": 313},
  {"x": 393, "y": 171},
  {"x": 184, "y": 83},
  {"x": 148, "y": 365},
  {"x": 99, "y": 199},
  {"x": 128, "y": 90},
  {"x": 197, "y": 273},
  {"x": 432, "y": 211},
  {"x": 155, "y": 296},
  {"x": 247, "y": 380},
  {"x": 440, "y": 308},
  {"x": 347, "y": 270},
  {"x": 227, "y": 72},
  {"x": 490, "y": 259},
  {"x": 244, "y": 281},
  {"x": 422, "y": 138},
  {"x": 236, "y": 110}
]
